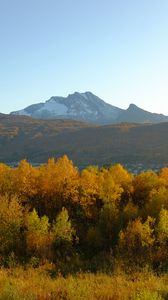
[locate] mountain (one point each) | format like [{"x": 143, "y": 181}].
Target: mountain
[
  {"x": 138, "y": 115},
  {"x": 78, "y": 106},
  {"x": 88, "y": 108},
  {"x": 37, "y": 140}
]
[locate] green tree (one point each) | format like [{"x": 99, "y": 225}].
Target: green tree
[
  {"x": 63, "y": 234},
  {"x": 37, "y": 235}
]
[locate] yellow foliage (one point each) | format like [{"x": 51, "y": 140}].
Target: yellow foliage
[{"x": 109, "y": 190}]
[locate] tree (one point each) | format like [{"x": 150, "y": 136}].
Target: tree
[
  {"x": 136, "y": 242},
  {"x": 25, "y": 181},
  {"x": 62, "y": 228},
  {"x": 110, "y": 191},
  {"x": 161, "y": 255},
  {"x": 124, "y": 179},
  {"x": 11, "y": 219},
  {"x": 163, "y": 177},
  {"x": 110, "y": 224},
  {"x": 6, "y": 180},
  {"x": 58, "y": 185},
  {"x": 158, "y": 199},
  {"x": 89, "y": 192},
  {"x": 142, "y": 186},
  {"x": 63, "y": 234},
  {"x": 37, "y": 235},
  {"x": 162, "y": 226}
]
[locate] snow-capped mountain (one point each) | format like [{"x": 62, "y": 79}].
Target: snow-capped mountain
[
  {"x": 78, "y": 106},
  {"x": 88, "y": 108}
]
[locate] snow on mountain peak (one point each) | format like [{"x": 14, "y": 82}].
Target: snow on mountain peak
[
  {"x": 89, "y": 108},
  {"x": 79, "y": 106}
]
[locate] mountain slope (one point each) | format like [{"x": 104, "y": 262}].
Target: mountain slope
[
  {"x": 37, "y": 140},
  {"x": 88, "y": 108},
  {"x": 138, "y": 115},
  {"x": 78, "y": 106}
]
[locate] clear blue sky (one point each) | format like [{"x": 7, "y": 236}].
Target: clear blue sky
[{"x": 115, "y": 49}]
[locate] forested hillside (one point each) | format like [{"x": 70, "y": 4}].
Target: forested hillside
[{"x": 85, "y": 144}]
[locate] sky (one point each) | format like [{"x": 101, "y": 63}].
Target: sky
[{"x": 117, "y": 49}]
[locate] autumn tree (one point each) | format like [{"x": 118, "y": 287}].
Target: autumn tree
[
  {"x": 6, "y": 180},
  {"x": 136, "y": 241},
  {"x": 58, "y": 184},
  {"x": 37, "y": 235},
  {"x": 89, "y": 192},
  {"x": 124, "y": 179},
  {"x": 63, "y": 234},
  {"x": 161, "y": 229},
  {"x": 163, "y": 177},
  {"x": 54, "y": 211},
  {"x": 158, "y": 199},
  {"x": 11, "y": 219},
  {"x": 25, "y": 181},
  {"x": 142, "y": 186},
  {"x": 110, "y": 191}
]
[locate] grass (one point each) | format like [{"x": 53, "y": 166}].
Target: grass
[{"x": 37, "y": 284}]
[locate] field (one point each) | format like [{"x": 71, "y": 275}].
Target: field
[{"x": 40, "y": 284}]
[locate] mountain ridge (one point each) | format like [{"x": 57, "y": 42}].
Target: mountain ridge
[{"x": 88, "y": 107}]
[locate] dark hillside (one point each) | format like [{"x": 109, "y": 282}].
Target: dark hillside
[{"x": 37, "y": 140}]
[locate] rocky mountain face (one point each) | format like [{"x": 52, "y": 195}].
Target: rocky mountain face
[
  {"x": 78, "y": 106},
  {"x": 88, "y": 108}
]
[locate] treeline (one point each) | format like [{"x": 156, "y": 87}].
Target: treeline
[{"x": 89, "y": 219}]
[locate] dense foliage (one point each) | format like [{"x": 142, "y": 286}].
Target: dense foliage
[{"x": 86, "y": 220}]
